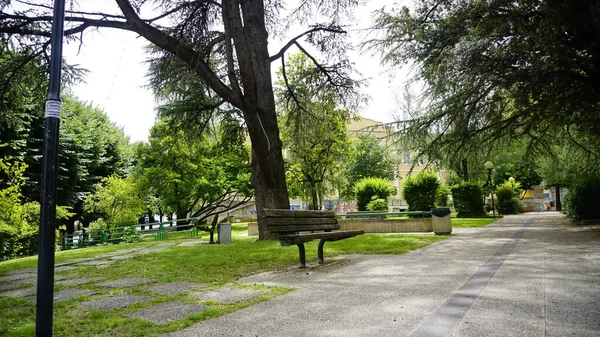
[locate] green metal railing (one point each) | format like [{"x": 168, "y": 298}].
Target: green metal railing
[
  {"x": 126, "y": 233},
  {"x": 414, "y": 214}
]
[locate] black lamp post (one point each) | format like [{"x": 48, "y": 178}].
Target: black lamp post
[
  {"x": 512, "y": 183},
  {"x": 490, "y": 166},
  {"x": 45, "y": 281}
]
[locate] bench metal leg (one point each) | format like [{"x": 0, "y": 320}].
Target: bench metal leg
[
  {"x": 320, "y": 251},
  {"x": 302, "y": 255}
]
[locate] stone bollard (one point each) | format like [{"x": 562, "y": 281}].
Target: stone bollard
[{"x": 441, "y": 220}]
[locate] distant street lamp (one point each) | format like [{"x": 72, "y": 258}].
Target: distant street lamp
[
  {"x": 490, "y": 166},
  {"x": 512, "y": 183}
]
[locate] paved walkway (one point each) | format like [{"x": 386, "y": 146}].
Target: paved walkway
[{"x": 527, "y": 275}]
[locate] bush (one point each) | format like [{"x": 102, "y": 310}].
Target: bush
[
  {"x": 441, "y": 195},
  {"x": 420, "y": 192},
  {"x": 97, "y": 228},
  {"x": 510, "y": 206},
  {"x": 468, "y": 199},
  {"x": 581, "y": 203},
  {"x": 9, "y": 242},
  {"x": 368, "y": 188},
  {"x": 377, "y": 205},
  {"x": 130, "y": 235},
  {"x": 507, "y": 202}
]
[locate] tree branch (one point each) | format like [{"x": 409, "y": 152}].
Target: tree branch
[
  {"x": 310, "y": 31},
  {"x": 183, "y": 52}
]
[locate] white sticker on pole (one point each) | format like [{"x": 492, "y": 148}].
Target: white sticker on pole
[{"x": 53, "y": 109}]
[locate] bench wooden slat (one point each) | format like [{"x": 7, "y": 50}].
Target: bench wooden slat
[
  {"x": 302, "y": 228},
  {"x": 285, "y": 213},
  {"x": 298, "y": 221},
  {"x": 294, "y": 239},
  {"x": 287, "y": 224}
]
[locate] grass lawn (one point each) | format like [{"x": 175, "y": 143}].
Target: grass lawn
[
  {"x": 471, "y": 222},
  {"x": 213, "y": 265}
]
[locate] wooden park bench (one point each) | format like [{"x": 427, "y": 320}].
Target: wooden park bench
[{"x": 287, "y": 225}]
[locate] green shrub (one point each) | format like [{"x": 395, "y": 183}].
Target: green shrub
[
  {"x": 97, "y": 229},
  {"x": 468, "y": 199},
  {"x": 504, "y": 192},
  {"x": 367, "y": 188},
  {"x": 377, "y": 205},
  {"x": 581, "y": 203},
  {"x": 130, "y": 235},
  {"x": 510, "y": 206},
  {"x": 420, "y": 192},
  {"x": 9, "y": 241},
  {"x": 507, "y": 201},
  {"x": 441, "y": 195}
]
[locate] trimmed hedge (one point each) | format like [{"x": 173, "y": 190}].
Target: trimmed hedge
[
  {"x": 420, "y": 192},
  {"x": 369, "y": 189},
  {"x": 468, "y": 199},
  {"x": 581, "y": 203},
  {"x": 507, "y": 202}
]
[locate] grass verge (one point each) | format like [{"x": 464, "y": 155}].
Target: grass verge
[
  {"x": 213, "y": 265},
  {"x": 471, "y": 222}
]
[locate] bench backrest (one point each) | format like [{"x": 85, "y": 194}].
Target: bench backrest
[{"x": 281, "y": 221}]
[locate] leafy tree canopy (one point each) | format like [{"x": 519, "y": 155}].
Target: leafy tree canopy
[
  {"x": 91, "y": 147},
  {"x": 192, "y": 176},
  {"x": 499, "y": 70},
  {"x": 225, "y": 44},
  {"x": 116, "y": 200},
  {"x": 313, "y": 128},
  {"x": 368, "y": 158}
]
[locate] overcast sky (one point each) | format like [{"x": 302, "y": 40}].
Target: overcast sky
[{"x": 116, "y": 78}]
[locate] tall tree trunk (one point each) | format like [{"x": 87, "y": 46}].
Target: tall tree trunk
[
  {"x": 250, "y": 41},
  {"x": 213, "y": 227},
  {"x": 465, "y": 170},
  {"x": 244, "y": 24},
  {"x": 315, "y": 199},
  {"x": 70, "y": 224},
  {"x": 558, "y": 201},
  {"x": 181, "y": 225}
]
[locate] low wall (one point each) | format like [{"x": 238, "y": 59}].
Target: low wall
[
  {"x": 375, "y": 225},
  {"x": 388, "y": 226}
]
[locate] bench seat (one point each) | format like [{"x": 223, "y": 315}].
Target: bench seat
[{"x": 287, "y": 225}]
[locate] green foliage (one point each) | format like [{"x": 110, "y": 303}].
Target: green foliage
[
  {"x": 313, "y": 129},
  {"x": 117, "y": 201},
  {"x": 377, "y": 204},
  {"x": 18, "y": 234},
  {"x": 91, "y": 147},
  {"x": 507, "y": 198},
  {"x": 468, "y": 199},
  {"x": 510, "y": 206},
  {"x": 514, "y": 161},
  {"x": 581, "y": 203},
  {"x": 130, "y": 235},
  {"x": 367, "y": 159},
  {"x": 368, "y": 189},
  {"x": 471, "y": 222},
  {"x": 420, "y": 192},
  {"x": 495, "y": 72},
  {"x": 199, "y": 176},
  {"x": 569, "y": 163},
  {"x": 441, "y": 195}
]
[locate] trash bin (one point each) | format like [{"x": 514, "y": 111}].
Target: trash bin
[
  {"x": 224, "y": 233},
  {"x": 440, "y": 220}
]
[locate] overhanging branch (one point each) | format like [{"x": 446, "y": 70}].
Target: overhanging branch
[{"x": 310, "y": 31}]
